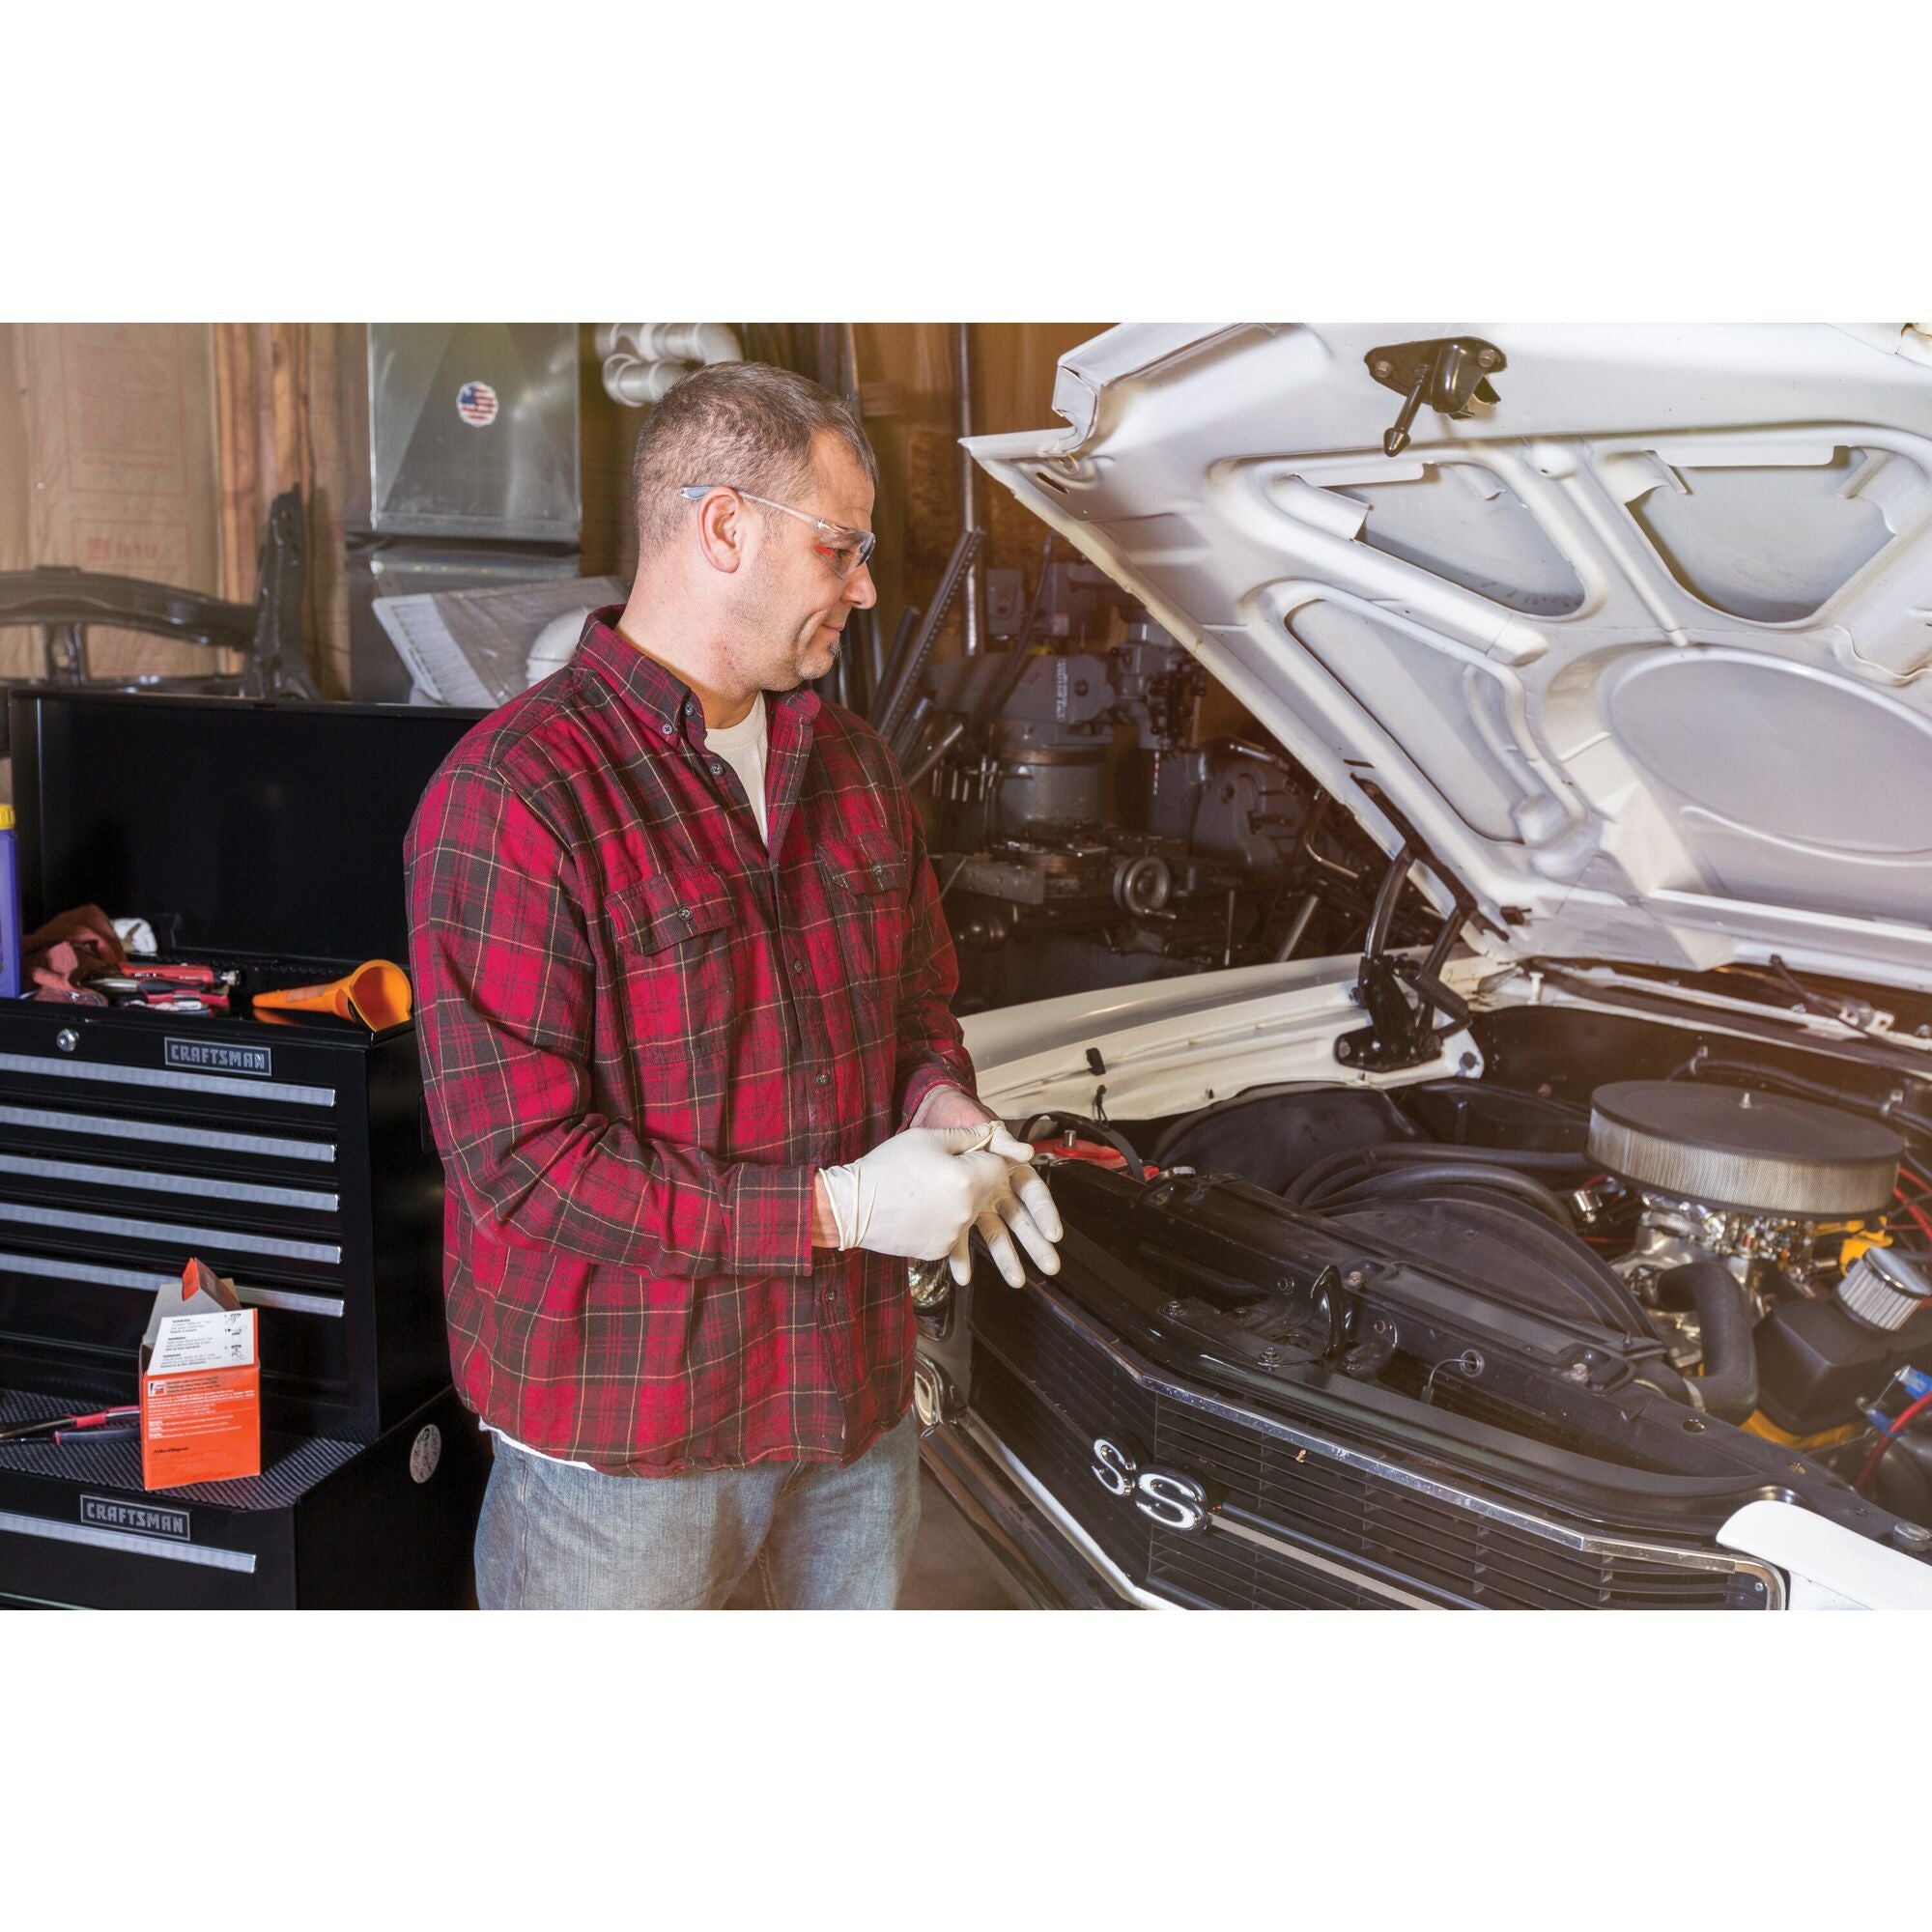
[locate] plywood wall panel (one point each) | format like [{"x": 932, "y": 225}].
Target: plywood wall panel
[
  {"x": 279, "y": 402},
  {"x": 911, "y": 366},
  {"x": 111, "y": 450}
]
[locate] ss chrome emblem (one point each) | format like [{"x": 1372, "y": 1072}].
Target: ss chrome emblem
[
  {"x": 1173, "y": 1501},
  {"x": 1113, "y": 1467},
  {"x": 1176, "y": 1502}
]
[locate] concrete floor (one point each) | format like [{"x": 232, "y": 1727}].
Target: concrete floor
[{"x": 951, "y": 1569}]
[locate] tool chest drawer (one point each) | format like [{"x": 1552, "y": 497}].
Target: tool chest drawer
[
  {"x": 293, "y": 1164},
  {"x": 286, "y": 1152},
  {"x": 328, "y": 1524}
]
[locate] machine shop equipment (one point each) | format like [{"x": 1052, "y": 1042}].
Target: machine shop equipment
[{"x": 1087, "y": 832}]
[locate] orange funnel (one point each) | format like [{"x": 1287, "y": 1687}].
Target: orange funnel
[{"x": 377, "y": 993}]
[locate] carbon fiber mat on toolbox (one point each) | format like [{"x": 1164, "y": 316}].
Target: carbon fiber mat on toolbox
[{"x": 291, "y": 1464}]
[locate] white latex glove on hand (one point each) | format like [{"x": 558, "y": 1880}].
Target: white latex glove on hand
[
  {"x": 917, "y": 1194},
  {"x": 1024, "y": 1207},
  {"x": 1028, "y": 1209}
]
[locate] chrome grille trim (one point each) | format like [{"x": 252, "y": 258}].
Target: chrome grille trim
[
  {"x": 1294, "y": 1552},
  {"x": 110, "y": 1127},
  {"x": 1152, "y": 1379}
]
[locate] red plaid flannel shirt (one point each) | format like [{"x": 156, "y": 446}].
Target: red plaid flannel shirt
[{"x": 640, "y": 1037}]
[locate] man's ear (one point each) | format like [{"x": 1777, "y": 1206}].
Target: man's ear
[{"x": 724, "y": 530}]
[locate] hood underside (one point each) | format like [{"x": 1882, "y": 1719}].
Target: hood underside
[{"x": 1643, "y": 649}]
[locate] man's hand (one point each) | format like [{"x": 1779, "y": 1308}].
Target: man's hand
[
  {"x": 1027, "y": 1208},
  {"x": 917, "y": 1194}
]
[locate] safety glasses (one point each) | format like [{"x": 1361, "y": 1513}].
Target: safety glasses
[{"x": 845, "y": 548}]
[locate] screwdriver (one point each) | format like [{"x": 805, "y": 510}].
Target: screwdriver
[{"x": 79, "y": 1427}]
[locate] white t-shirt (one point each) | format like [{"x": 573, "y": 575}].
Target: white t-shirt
[{"x": 741, "y": 746}]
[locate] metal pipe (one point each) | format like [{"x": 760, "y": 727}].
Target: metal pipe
[
  {"x": 905, "y": 742},
  {"x": 969, "y": 483},
  {"x": 950, "y": 737},
  {"x": 907, "y": 678},
  {"x": 643, "y": 360},
  {"x": 886, "y": 684},
  {"x": 670, "y": 341},
  {"x": 638, "y": 384},
  {"x": 1298, "y": 927}
]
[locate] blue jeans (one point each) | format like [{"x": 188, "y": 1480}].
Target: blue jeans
[{"x": 817, "y": 1537}]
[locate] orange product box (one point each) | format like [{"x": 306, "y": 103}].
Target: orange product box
[{"x": 201, "y": 1385}]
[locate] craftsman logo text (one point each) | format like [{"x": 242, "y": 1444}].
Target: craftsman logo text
[
  {"x": 137, "y": 1519},
  {"x": 207, "y": 1056}
]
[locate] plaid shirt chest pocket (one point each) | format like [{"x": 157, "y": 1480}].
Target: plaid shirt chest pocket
[
  {"x": 866, "y": 883},
  {"x": 673, "y": 935}
]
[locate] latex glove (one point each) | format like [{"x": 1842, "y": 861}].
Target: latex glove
[
  {"x": 1027, "y": 1210},
  {"x": 1022, "y": 1209},
  {"x": 917, "y": 1194}
]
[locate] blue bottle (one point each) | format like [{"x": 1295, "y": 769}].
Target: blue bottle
[{"x": 9, "y": 908}]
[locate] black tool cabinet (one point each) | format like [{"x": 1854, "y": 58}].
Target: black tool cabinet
[{"x": 291, "y": 1157}]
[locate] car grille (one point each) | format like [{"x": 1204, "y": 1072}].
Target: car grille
[{"x": 1361, "y": 1540}]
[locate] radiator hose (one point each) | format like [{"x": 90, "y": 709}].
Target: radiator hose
[{"x": 1729, "y": 1387}]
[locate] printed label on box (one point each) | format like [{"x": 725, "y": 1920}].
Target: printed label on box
[{"x": 193, "y": 1342}]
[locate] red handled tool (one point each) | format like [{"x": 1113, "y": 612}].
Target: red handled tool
[{"x": 103, "y": 1425}]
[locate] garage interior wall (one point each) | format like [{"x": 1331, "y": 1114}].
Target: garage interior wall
[
  {"x": 908, "y": 393},
  {"x": 107, "y": 461},
  {"x": 154, "y": 451}
]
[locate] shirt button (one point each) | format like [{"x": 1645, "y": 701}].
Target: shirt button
[
  {"x": 823, "y": 1076},
  {"x": 798, "y": 963},
  {"x": 666, "y": 730},
  {"x": 716, "y": 768}
]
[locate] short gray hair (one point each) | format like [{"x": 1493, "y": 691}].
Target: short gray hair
[{"x": 747, "y": 424}]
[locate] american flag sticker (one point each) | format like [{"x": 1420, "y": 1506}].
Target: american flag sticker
[{"x": 476, "y": 403}]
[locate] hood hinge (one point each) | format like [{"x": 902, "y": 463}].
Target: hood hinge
[{"x": 1403, "y": 996}]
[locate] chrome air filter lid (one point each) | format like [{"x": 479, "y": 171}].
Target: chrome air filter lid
[{"x": 1754, "y": 1153}]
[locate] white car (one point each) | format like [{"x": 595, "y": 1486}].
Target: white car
[{"x": 1564, "y": 1240}]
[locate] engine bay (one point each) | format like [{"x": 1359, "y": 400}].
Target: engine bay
[{"x": 1722, "y": 1267}]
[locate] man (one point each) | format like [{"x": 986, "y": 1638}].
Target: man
[{"x": 681, "y": 984}]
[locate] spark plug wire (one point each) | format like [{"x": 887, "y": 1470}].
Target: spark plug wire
[{"x": 1888, "y": 1437}]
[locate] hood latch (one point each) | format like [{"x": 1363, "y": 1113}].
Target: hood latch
[{"x": 1449, "y": 373}]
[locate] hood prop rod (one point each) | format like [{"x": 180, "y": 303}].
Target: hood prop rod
[{"x": 1402, "y": 1032}]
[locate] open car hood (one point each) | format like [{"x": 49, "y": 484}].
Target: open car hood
[{"x": 1641, "y": 650}]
